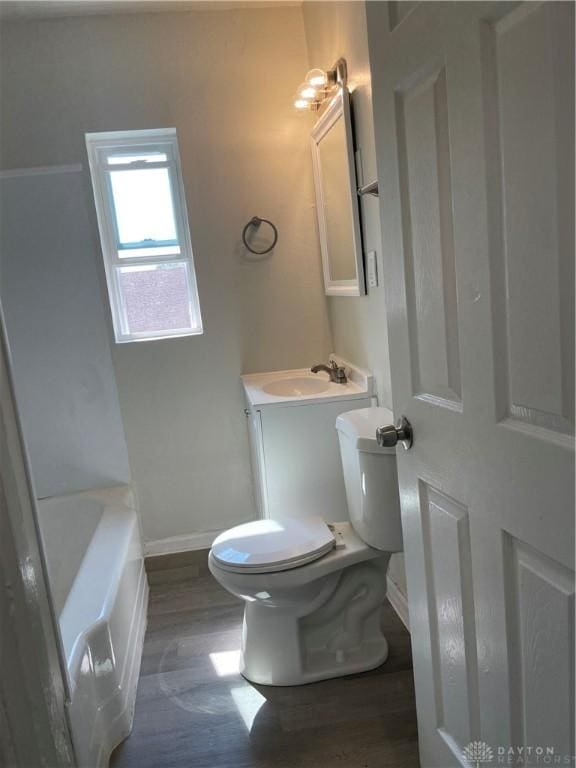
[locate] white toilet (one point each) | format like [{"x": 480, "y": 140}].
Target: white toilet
[{"x": 314, "y": 591}]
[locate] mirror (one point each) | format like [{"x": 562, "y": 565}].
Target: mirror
[{"x": 336, "y": 199}]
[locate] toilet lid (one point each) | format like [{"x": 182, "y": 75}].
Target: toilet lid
[{"x": 273, "y": 545}]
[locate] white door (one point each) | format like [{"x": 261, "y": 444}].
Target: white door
[{"x": 474, "y": 107}]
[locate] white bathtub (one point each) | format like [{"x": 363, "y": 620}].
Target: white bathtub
[{"x": 100, "y": 593}]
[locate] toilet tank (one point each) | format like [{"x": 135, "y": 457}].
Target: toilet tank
[{"x": 370, "y": 478}]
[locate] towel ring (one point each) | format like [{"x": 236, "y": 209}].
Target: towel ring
[{"x": 255, "y": 221}]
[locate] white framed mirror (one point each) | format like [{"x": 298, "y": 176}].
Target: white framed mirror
[{"x": 337, "y": 199}]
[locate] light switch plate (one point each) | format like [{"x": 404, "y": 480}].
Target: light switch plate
[{"x": 372, "y": 269}]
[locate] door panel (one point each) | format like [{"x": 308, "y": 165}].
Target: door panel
[
  {"x": 532, "y": 100},
  {"x": 446, "y": 535},
  {"x": 473, "y": 110},
  {"x": 540, "y": 607},
  {"x": 425, "y": 186}
]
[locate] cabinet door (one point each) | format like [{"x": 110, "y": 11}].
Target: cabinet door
[
  {"x": 302, "y": 460},
  {"x": 257, "y": 461}
]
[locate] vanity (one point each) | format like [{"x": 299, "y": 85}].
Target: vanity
[{"x": 293, "y": 442}]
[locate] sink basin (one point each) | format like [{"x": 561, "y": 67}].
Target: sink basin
[{"x": 298, "y": 386}]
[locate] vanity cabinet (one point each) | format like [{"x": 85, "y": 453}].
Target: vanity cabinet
[{"x": 295, "y": 456}]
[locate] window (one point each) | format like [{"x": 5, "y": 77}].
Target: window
[{"x": 144, "y": 232}]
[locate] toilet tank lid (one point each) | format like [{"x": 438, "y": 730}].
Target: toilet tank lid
[{"x": 360, "y": 425}]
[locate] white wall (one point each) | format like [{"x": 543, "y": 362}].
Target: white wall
[
  {"x": 58, "y": 335},
  {"x": 226, "y": 81},
  {"x": 335, "y": 29}
]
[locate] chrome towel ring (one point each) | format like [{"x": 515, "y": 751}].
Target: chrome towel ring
[{"x": 256, "y": 221}]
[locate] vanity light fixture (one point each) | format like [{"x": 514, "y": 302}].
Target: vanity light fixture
[
  {"x": 306, "y": 96},
  {"x": 307, "y": 91},
  {"x": 319, "y": 78},
  {"x": 319, "y": 85}
]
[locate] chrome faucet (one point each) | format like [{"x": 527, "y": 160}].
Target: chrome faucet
[{"x": 336, "y": 372}]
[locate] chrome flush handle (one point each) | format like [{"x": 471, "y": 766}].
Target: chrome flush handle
[{"x": 390, "y": 435}]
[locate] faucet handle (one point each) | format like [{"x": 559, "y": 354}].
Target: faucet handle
[{"x": 339, "y": 372}]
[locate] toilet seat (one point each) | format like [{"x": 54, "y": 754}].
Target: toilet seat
[{"x": 268, "y": 546}]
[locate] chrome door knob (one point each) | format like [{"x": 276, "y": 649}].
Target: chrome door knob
[{"x": 390, "y": 435}]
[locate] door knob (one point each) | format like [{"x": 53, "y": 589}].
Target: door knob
[{"x": 390, "y": 435}]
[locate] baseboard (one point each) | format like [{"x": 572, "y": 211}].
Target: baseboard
[
  {"x": 398, "y": 601},
  {"x": 184, "y": 543}
]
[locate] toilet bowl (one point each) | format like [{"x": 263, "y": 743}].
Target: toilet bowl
[{"x": 313, "y": 591}]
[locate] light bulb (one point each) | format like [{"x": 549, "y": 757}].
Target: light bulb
[
  {"x": 301, "y": 103},
  {"x": 306, "y": 91},
  {"x": 317, "y": 78}
]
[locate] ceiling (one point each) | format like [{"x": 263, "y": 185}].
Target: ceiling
[{"x": 43, "y": 9}]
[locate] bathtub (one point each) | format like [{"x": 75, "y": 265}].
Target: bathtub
[{"x": 100, "y": 593}]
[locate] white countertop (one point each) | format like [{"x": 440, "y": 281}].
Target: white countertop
[{"x": 359, "y": 385}]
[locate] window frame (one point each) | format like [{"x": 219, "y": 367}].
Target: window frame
[{"x": 164, "y": 141}]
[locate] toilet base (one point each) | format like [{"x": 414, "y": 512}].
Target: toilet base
[{"x": 338, "y": 633}]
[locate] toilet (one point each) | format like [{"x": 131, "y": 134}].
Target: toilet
[{"x": 313, "y": 591}]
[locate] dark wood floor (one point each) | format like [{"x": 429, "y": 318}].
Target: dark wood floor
[{"x": 194, "y": 710}]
